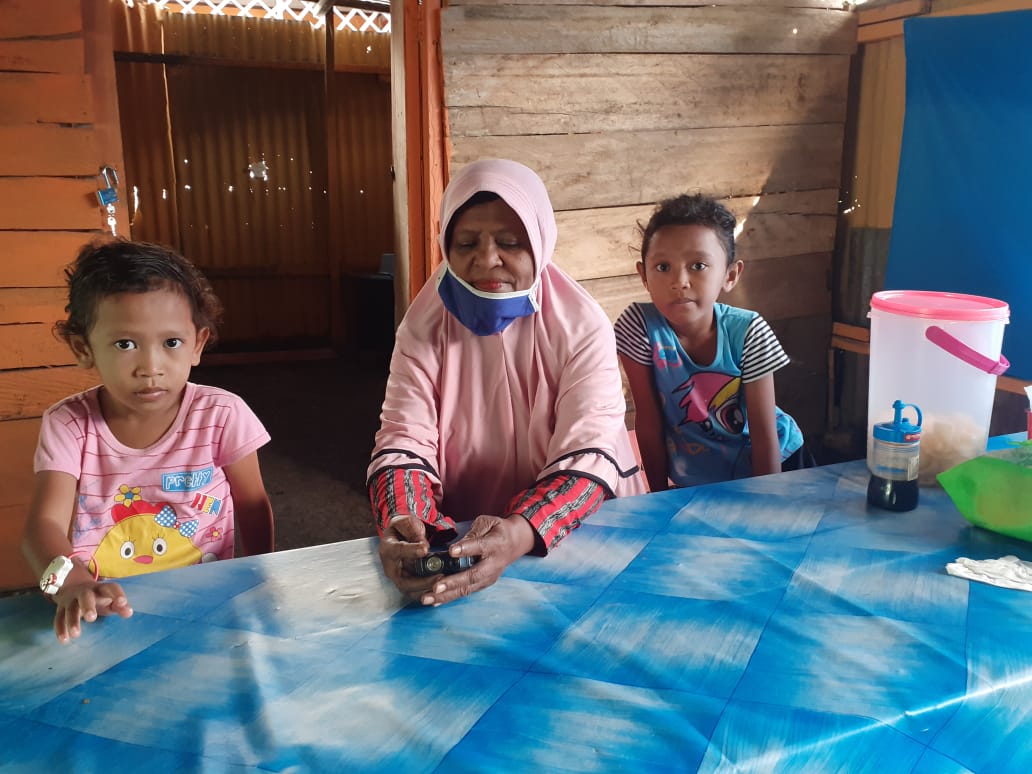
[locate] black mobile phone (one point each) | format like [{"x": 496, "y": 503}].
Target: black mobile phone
[{"x": 441, "y": 563}]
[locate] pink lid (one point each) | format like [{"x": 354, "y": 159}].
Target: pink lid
[{"x": 940, "y": 306}]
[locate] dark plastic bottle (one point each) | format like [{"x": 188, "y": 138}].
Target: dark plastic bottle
[
  {"x": 892, "y": 495},
  {"x": 893, "y": 462}
]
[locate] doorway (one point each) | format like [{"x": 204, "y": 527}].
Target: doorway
[
  {"x": 277, "y": 181},
  {"x": 273, "y": 177}
]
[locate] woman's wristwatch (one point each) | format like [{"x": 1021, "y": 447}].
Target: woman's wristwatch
[{"x": 54, "y": 576}]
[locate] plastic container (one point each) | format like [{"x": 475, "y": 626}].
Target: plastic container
[
  {"x": 942, "y": 351},
  {"x": 894, "y": 460}
]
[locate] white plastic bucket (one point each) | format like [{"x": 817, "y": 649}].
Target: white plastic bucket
[{"x": 940, "y": 351}]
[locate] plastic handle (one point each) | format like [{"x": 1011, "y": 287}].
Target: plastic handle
[{"x": 962, "y": 351}]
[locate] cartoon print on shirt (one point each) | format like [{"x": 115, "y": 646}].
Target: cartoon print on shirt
[
  {"x": 713, "y": 399},
  {"x": 126, "y": 496},
  {"x": 207, "y": 504},
  {"x": 146, "y": 537},
  {"x": 211, "y": 505}
]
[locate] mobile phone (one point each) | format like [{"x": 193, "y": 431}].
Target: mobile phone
[{"x": 441, "y": 563}]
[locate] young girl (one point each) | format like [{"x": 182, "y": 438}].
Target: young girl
[
  {"x": 147, "y": 471},
  {"x": 701, "y": 373}
]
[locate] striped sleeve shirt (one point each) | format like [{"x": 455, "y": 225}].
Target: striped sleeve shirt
[
  {"x": 762, "y": 353},
  {"x": 408, "y": 492},
  {"x": 554, "y": 507},
  {"x": 632, "y": 336}
]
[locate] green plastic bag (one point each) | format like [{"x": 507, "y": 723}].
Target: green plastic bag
[{"x": 994, "y": 490}]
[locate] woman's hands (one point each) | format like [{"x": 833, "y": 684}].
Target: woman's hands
[
  {"x": 497, "y": 541},
  {"x": 402, "y": 542},
  {"x": 85, "y": 601}
]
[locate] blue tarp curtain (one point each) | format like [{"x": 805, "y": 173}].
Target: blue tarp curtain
[{"x": 963, "y": 194}]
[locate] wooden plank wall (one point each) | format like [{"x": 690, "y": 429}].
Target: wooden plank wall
[
  {"x": 55, "y": 131},
  {"x": 618, "y": 105}
]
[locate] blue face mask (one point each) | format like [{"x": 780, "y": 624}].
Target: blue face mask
[{"x": 484, "y": 313}]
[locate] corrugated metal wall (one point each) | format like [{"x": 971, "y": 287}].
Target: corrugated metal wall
[
  {"x": 262, "y": 241},
  {"x": 870, "y": 184},
  {"x": 225, "y": 93},
  {"x": 224, "y": 119},
  {"x": 149, "y": 171},
  {"x": 145, "y": 28},
  {"x": 362, "y": 109},
  {"x": 868, "y": 191}
]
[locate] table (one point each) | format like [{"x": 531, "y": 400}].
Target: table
[{"x": 768, "y": 624}]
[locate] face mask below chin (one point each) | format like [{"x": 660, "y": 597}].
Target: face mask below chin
[{"x": 484, "y": 313}]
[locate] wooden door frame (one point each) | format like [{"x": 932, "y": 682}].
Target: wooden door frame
[
  {"x": 421, "y": 148},
  {"x": 419, "y": 136},
  {"x": 99, "y": 47}
]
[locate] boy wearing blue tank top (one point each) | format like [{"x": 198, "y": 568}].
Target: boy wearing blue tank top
[{"x": 701, "y": 373}]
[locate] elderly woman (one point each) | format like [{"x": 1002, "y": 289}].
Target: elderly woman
[{"x": 504, "y": 403}]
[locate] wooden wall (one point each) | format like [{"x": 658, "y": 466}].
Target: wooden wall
[
  {"x": 617, "y": 106},
  {"x": 58, "y": 125}
]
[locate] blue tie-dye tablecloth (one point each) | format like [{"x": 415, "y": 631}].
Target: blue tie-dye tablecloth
[{"x": 769, "y": 624}]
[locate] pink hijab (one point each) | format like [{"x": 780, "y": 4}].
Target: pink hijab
[{"x": 487, "y": 417}]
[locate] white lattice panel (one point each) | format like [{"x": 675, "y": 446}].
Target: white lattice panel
[{"x": 291, "y": 10}]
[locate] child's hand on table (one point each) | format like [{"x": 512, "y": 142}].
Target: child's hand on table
[{"x": 87, "y": 600}]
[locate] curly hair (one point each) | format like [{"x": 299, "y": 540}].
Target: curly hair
[
  {"x": 692, "y": 210},
  {"x": 104, "y": 269}
]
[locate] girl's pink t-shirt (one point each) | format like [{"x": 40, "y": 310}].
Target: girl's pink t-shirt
[{"x": 143, "y": 510}]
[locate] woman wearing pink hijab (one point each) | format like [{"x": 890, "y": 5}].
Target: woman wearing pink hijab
[{"x": 504, "y": 403}]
